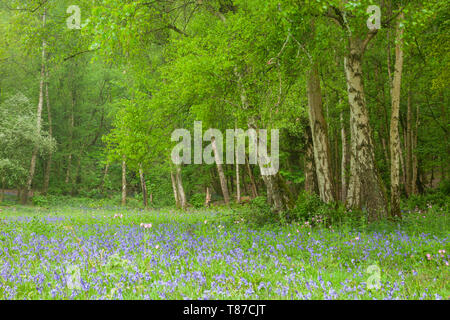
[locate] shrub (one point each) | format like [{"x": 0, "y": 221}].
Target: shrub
[
  {"x": 423, "y": 201},
  {"x": 40, "y": 201},
  {"x": 257, "y": 213},
  {"x": 306, "y": 206},
  {"x": 198, "y": 200}
]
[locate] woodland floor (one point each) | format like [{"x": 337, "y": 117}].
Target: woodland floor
[{"x": 66, "y": 253}]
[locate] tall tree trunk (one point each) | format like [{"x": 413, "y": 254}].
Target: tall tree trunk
[
  {"x": 271, "y": 180},
  {"x": 238, "y": 179},
  {"x": 238, "y": 182},
  {"x": 208, "y": 197},
  {"x": 253, "y": 187},
  {"x": 344, "y": 159},
  {"x": 322, "y": 157},
  {"x": 39, "y": 119},
  {"x": 383, "y": 113},
  {"x": 366, "y": 188},
  {"x": 105, "y": 175},
  {"x": 408, "y": 144},
  {"x": 48, "y": 166},
  {"x": 124, "y": 181},
  {"x": 143, "y": 185},
  {"x": 274, "y": 195},
  {"x": 337, "y": 167},
  {"x": 415, "y": 163},
  {"x": 222, "y": 178},
  {"x": 394, "y": 132},
  {"x": 175, "y": 189},
  {"x": 181, "y": 193},
  {"x": 444, "y": 157},
  {"x": 230, "y": 179},
  {"x": 244, "y": 183},
  {"x": 71, "y": 128},
  {"x": 310, "y": 169}
]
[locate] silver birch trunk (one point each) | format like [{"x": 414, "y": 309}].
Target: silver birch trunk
[
  {"x": 394, "y": 131},
  {"x": 319, "y": 132},
  {"x": 39, "y": 120}
]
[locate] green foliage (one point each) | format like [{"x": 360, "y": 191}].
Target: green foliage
[
  {"x": 257, "y": 214},
  {"x": 198, "y": 200},
  {"x": 427, "y": 200},
  {"x": 306, "y": 206},
  {"x": 19, "y": 137}
]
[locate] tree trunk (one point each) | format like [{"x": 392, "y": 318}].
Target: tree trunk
[
  {"x": 143, "y": 185},
  {"x": 175, "y": 189},
  {"x": 105, "y": 175},
  {"x": 208, "y": 197},
  {"x": 238, "y": 182},
  {"x": 337, "y": 167},
  {"x": 39, "y": 119},
  {"x": 310, "y": 168},
  {"x": 322, "y": 158},
  {"x": 273, "y": 191},
  {"x": 408, "y": 145},
  {"x": 244, "y": 183},
  {"x": 394, "y": 132},
  {"x": 48, "y": 166},
  {"x": 344, "y": 159},
  {"x": 366, "y": 189},
  {"x": 181, "y": 193},
  {"x": 124, "y": 181},
  {"x": 383, "y": 129},
  {"x": 253, "y": 187},
  {"x": 238, "y": 179},
  {"x": 223, "y": 181},
  {"x": 71, "y": 128},
  {"x": 415, "y": 164}
]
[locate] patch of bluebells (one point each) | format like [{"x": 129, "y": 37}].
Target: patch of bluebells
[{"x": 134, "y": 257}]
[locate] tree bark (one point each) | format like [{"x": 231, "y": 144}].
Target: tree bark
[
  {"x": 344, "y": 159},
  {"x": 124, "y": 181},
  {"x": 366, "y": 190},
  {"x": 238, "y": 178},
  {"x": 105, "y": 175},
  {"x": 322, "y": 157},
  {"x": 383, "y": 129},
  {"x": 274, "y": 196},
  {"x": 253, "y": 187},
  {"x": 71, "y": 128},
  {"x": 222, "y": 178},
  {"x": 48, "y": 166},
  {"x": 207, "y": 198},
  {"x": 309, "y": 167},
  {"x": 39, "y": 119},
  {"x": 274, "y": 192},
  {"x": 415, "y": 163},
  {"x": 175, "y": 190},
  {"x": 408, "y": 145},
  {"x": 394, "y": 131},
  {"x": 238, "y": 183},
  {"x": 181, "y": 193}
]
